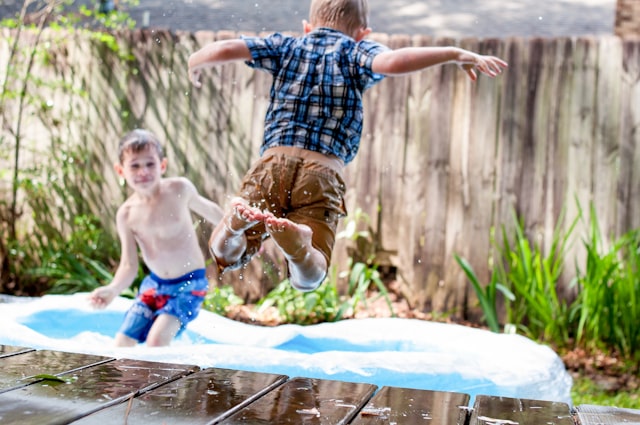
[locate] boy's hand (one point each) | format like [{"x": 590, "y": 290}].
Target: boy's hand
[
  {"x": 194, "y": 77},
  {"x": 101, "y": 297},
  {"x": 488, "y": 65}
]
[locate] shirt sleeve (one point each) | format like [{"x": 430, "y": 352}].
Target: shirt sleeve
[
  {"x": 266, "y": 51},
  {"x": 365, "y": 51}
]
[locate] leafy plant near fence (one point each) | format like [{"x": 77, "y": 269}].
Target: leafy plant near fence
[
  {"x": 220, "y": 298},
  {"x": 528, "y": 278},
  {"x": 533, "y": 277},
  {"x": 304, "y": 308},
  {"x": 606, "y": 310},
  {"x": 55, "y": 187},
  {"x": 608, "y": 303},
  {"x": 487, "y": 295},
  {"x": 73, "y": 264},
  {"x": 325, "y": 304}
]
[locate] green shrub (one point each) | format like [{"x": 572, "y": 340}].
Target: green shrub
[
  {"x": 533, "y": 276},
  {"x": 220, "y": 298},
  {"x": 325, "y": 304},
  {"x": 608, "y": 301},
  {"x": 305, "y": 308},
  {"x": 78, "y": 263},
  {"x": 606, "y": 310}
]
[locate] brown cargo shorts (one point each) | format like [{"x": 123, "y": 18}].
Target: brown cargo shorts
[{"x": 290, "y": 183}]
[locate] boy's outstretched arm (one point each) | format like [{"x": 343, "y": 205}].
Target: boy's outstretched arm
[
  {"x": 127, "y": 269},
  {"x": 214, "y": 54},
  {"x": 411, "y": 59},
  {"x": 202, "y": 206}
]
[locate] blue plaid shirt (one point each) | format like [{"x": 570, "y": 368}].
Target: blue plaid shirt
[{"x": 316, "y": 94}]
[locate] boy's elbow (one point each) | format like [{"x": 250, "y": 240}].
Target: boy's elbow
[
  {"x": 230, "y": 50},
  {"x": 380, "y": 64},
  {"x": 387, "y": 64}
]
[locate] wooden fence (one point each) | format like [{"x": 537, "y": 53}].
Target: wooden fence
[{"x": 442, "y": 160}]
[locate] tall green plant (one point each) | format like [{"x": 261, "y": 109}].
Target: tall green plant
[
  {"x": 487, "y": 294},
  {"x": 606, "y": 311},
  {"x": 533, "y": 276},
  {"x": 608, "y": 302},
  {"x": 528, "y": 279},
  {"x": 626, "y": 303}
]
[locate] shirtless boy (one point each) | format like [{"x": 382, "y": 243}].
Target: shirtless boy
[{"x": 157, "y": 219}]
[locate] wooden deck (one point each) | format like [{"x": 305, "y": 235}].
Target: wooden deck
[{"x": 52, "y": 387}]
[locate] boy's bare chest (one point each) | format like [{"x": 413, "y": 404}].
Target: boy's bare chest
[{"x": 160, "y": 221}]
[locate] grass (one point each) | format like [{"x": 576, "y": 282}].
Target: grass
[{"x": 586, "y": 391}]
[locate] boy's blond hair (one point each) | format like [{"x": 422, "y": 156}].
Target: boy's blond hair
[
  {"x": 347, "y": 16},
  {"x": 137, "y": 141}
]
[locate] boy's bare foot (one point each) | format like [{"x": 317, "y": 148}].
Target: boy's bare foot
[
  {"x": 307, "y": 265},
  {"x": 293, "y": 239},
  {"x": 228, "y": 241},
  {"x": 242, "y": 216}
]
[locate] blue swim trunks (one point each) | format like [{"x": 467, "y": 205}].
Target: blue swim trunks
[{"x": 181, "y": 297}]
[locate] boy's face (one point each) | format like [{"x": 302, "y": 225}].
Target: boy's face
[{"x": 142, "y": 170}]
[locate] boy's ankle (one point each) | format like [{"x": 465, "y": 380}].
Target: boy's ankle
[{"x": 299, "y": 255}]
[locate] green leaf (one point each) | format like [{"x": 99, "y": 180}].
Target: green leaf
[{"x": 49, "y": 377}]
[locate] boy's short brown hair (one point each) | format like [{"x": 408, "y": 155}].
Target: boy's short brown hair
[
  {"x": 344, "y": 15},
  {"x": 137, "y": 141}
]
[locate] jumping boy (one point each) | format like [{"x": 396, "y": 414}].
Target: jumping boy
[
  {"x": 294, "y": 192},
  {"x": 157, "y": 219}
]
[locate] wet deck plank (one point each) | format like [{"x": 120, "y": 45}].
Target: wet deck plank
[
  {"x": 201, "y": 398},
  {"x": 602, "y": 415},
  {"x": 22, "y": 369},
  {"x": 308, "y": 401},
  {"x": 88, "y": 390},
  {"x": 106, "y": 391},
  {"x": 10, "y": 350},
  {"x": 489, "y": 410},
  {"x": 393, "y": 405}
]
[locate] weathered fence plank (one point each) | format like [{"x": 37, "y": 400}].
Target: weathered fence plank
[
  {"x": 629, "y": 181},
  {"x": 482, "y": 163},
  {"x": 606, "y": 137}
]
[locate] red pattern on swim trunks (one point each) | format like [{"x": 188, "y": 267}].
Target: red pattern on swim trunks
[{"x": 154, "y": 301}]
